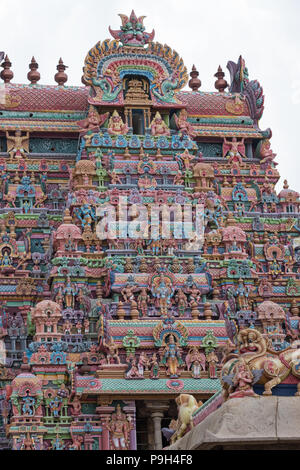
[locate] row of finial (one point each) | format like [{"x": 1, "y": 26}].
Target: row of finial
[
  {"x": 220, "y": 83},
  {"x": 33, "y": 75},
  {"x": 61, "y": 77}
]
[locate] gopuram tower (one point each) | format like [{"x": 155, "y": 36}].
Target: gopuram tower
[{"x": 140, "y": 232}]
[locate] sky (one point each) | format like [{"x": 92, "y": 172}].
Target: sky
[{"x": 205, "y": 33}]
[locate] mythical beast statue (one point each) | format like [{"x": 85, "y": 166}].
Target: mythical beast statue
[{"x": 275, "y": 366}]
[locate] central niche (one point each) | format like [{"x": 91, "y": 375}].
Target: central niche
[{"x": 137, "y": 101}]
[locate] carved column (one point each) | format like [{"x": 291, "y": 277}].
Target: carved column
[
  {"x": 157, "y": 410},
  {"x": 104, "y": 413},
  {"x": 129, "y": 409}
]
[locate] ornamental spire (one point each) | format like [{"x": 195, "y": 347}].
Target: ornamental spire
[
  {"x": 132, "y": 32},
  {"x": 7, "y": 74},
  {"x": 194, "y": 82},
  {"x": 33, "y": 75},
  {"x": 220, "y": 84},
  {"x": 61, "y": 77}
]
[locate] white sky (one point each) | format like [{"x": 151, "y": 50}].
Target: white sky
[{"x": 204, "y": 33}]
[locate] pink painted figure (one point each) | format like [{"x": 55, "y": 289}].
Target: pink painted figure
[
  {"x": 158, "y": 126},
  {"x": 115, "y": 178},
  {"x": 178, "y": 179},
  {"x": 143, "y": 301},
  {"x": 266, "y": 152},
  {"x": 76, "y": 406},
  {"x": 128, "y": 293},
  {"x": 94, "y": 120},
  {"x": 212, "y": 360},
  {"x": 115, "y": 125},
  {"x": 235, "y": 150},
  {"x": 185, "y": 128},
  {"x": 195, "y": 294},
  {"x": 113, "y": 355},
  {"x": 242, "y": 382},
  {"x": 119, "y": 427}
]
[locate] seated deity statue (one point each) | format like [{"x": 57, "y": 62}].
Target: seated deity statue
[
  {"x": 158, "y": 126},
  {"x": 115, "y": 125}
]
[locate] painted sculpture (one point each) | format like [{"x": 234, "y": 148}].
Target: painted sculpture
[{"x": 145, "y": 252}]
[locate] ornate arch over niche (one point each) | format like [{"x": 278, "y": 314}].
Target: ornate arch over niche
[{"x": 109, "y": 62}]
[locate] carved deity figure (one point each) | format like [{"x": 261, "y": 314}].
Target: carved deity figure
[
  {"x": 113, "y": 355},
  {"x": 242, "y": 382},
  {"x": 212, "y": 360},
  {"x": 186, "y": 157},
  {"x": 128, "y": 293},
  {"x": 235, "y": 149},
  {"x": 119, "y": 427},
  {"x": 163, "y": 292},
  {"x": 28, "y": 407},
  {"x": 154, "y": 367},
  {"x": 185, "y": 128},
  {"x": 178, "y": 178},
  {"x": 76, "y": 406},
  {"x": 197, "y": 359},
  {"x": 143, "y": 301},
  {"x": 143, "y": 363},
  {"x": 115, "y": 178},
  {"x": 182, "y": 302},
  {"x": 93, "y": 122},
  {"x": 17, "y": 146},
  {"x": 195, "y": 294},
  {"x": 241, "y": 293},
  {"x": 115, "y": 125},
  {"x": 172, "y": 357},
  {"x": 158, "y": 126},
  {"x": 76, "y": 442},
  {"x": 266, "y": 152},
  {"x": 69, "y": 294}
]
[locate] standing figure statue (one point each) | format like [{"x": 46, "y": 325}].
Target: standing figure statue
[
  {"x": 235, "y": 150},
  {"x": 182, "y": 302},
  {"x": 143, "y": 363},
  {"x": 17, "y": 146},
  {"x": 154, "y": 367},
  {"x": 212, "y": 360},
  {"x": 113, "y": 355},
  {"x": 143, "y": 300},
  {"x": 119, "y": 427},
  {"x": 172, "y": 358}
]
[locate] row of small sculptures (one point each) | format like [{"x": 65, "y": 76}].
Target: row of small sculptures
[
  {"x": 116, "y": 126},
  {"x": 252, "y": 362},
  {"x": 170, "y": 358},
  {"x": 234, "y": 149}
]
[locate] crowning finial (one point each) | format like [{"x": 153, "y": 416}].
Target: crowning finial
[
  {"x": 194, "y": 82},
  {"x": 33, "y": 75},
  {"x": 132, "y": 32},
  {"x": 7, "y": 74},
  {"x": 61, "y": 77},
  {"x": 220, "y": 84}
]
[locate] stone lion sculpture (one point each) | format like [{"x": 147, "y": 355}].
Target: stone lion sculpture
[{"x": 187, "y": 405}]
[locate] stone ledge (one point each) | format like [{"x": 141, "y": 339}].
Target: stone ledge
[{"x": 250, "y": 421}]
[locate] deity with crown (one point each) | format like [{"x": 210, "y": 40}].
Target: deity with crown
[
  {"x": 116, "y": 125},
  {"x": 158, "y": 126}
]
